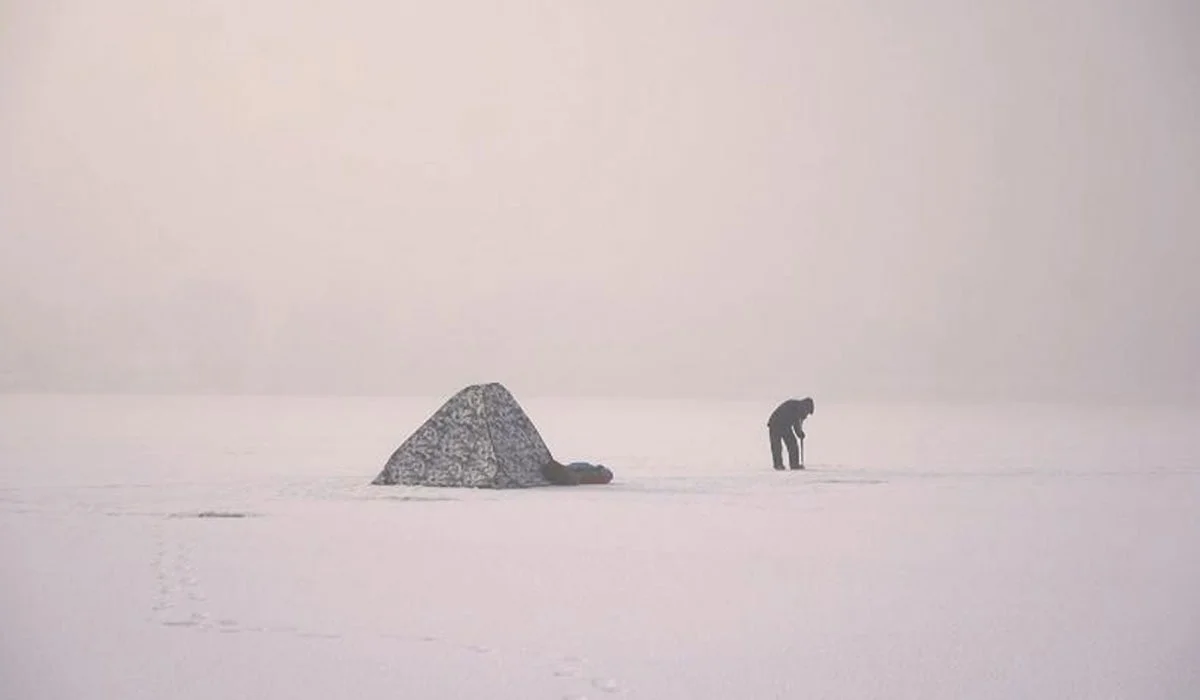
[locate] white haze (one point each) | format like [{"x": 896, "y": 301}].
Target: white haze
[{"x": 847, "y": 199}]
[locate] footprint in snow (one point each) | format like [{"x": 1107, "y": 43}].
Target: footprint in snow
[
  {"x": 569, "y": 667},
  {"x": 607, "y": 685},
  {"x": 318, "y": 635}
]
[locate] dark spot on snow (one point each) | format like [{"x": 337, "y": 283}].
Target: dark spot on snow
[
  {"x": 214, "y": 514},
  {"x": 418, "y": 499}
]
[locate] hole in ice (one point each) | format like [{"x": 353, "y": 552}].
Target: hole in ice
[{"x": 214, "y": 514}]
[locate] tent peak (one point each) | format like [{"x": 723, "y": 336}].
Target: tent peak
[{"x": 481, "y": 438}]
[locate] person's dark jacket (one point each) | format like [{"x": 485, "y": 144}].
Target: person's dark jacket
[{"x": 790, "y": 415}]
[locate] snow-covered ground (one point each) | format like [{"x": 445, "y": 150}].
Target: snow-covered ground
[{"x": 929, "y": 552}]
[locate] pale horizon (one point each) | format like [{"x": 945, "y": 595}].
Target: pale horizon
[{"x": 714, "y": 200}]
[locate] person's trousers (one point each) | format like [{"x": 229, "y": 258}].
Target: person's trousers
[{"x": 780, "y": 436}]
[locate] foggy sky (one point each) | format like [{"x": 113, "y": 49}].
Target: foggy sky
[{"x": 678, "y": 198}]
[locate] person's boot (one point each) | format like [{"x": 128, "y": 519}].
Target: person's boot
[{"x": 797, "y": 466}]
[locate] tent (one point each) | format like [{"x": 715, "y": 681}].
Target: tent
[{"x": 480, "y": 438}]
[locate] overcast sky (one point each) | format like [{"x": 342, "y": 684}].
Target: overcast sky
[{"x": 675, "y": 198}]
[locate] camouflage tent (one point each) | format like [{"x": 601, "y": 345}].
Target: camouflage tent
[{"x": 480, "y": 438}]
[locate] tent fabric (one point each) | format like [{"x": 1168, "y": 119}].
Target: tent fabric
[{"x": 480, "y": 438}]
